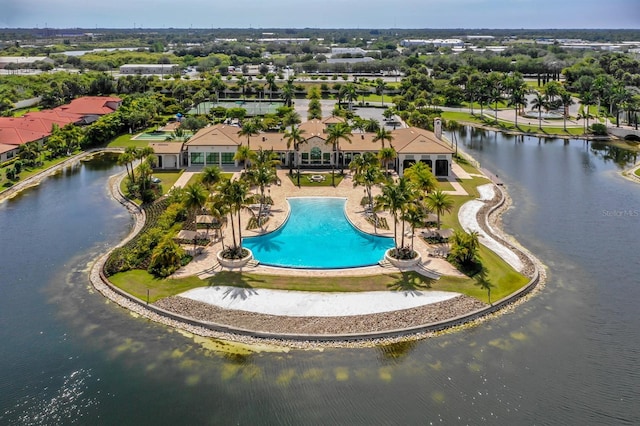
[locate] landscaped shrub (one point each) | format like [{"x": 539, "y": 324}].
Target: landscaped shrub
[
  {"x": 598, "y": 129},
  {"x": 166, "y": 258},
  {"x": 163, "y": 219}
]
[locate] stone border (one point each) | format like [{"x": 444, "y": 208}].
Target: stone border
[{"x": 155, "y": 313}]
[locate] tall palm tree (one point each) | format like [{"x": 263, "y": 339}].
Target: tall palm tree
[
  {"x": 380, "y": 88},
  {"x": 539, "y": 102},
  {"x": 125, "y": 159},
  {"x": 250, "y": 127},
  {"x": 567, "y": 101},
  {"x": 440, "y": 203},
  {"x": 518, "y": 100},
  {"x": 387, "y": 155},
  {"x": 288, "y": 92},
  {"x": 336, "y": 133},
  {"x": 243, "y": 154},
  {"x": 586, "y": 98},
  {"x": 235, "y": 194},
  {"x": 382, "y": 135},
  {"x": 367, "y": 172},
  {"x": 195, "y": 196},
  {"x": 395, "y": 198},
  {"x": 295, "y": 137},
  {"x": 271, "y": 84},
  {"x": 263, "y": 173}
]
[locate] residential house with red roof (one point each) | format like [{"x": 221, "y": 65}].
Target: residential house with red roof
[{"x": 38, "y": 125}]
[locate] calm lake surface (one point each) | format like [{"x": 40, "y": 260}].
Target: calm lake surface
[{"x": 569, "y": 355}]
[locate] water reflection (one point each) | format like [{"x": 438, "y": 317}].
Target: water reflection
[{"x": 567, "y": 356}]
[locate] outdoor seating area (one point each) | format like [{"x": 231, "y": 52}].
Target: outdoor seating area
[{"x": 437, "y": 235}]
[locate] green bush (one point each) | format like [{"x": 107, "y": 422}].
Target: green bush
[{"x": 598, "y": 129}]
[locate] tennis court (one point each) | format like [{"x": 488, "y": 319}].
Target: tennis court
[{"x": 252, "y": 108}]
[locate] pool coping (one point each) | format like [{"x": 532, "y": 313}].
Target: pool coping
[{"x": 307, "y": 269}]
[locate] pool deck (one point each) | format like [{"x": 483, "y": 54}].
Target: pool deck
[{"x": 206, "y": 264}]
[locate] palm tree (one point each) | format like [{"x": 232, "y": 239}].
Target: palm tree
[
  {"x": 242, "y": 82},
  {"x": 295, "y": 137},
  {"x": 288, "y": 92},
  {"x": 144, "y": 174},
  {"x": 195, "y": 197},
  {"x": 539, "y": 102},
  {"x": 250, "y": 127},
  {"x": 125, "y": 159},
  {"x": 387, "y": 155},
  {"x": 367, "y": 173},
  {"x": 382, "y": 135},
  {"x": 380, "y": 87},
  {"x": 371, "y": 125},
  {"x": 271, "y": 83},
  {"x": 421, "y": 176},
  {"x": 243, "y": 154},
  {"x": 518, "y": 99},
  {"x": 414, "y": 216},
  {"x": 567, "y": 101},
  {"x": 263, "y": 173},
  {"x": 395, "y": 198},
  {"x": 336, "y": 133},
  {"x": 586, "y": 98},
  {"x": 350, "y": 93},
  {"x": 235, "y": 194},
  {"x": 440, "y": 203},
  {"x": 211, "y": 176}
]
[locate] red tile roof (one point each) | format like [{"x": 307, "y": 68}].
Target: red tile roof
[
  {"x": 6, "y": 148},
  {"x": 38, "y": 124},
  {"x": 90, "y": 105}
]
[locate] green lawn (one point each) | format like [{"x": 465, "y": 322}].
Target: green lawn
[
  {"x": 124, "y": 141},
  {"x": 508, "y": 125},
  {"x": 137, "y": 282},
  {"x": 637, "y": 173},
  {"x": 27, "y": 172},
  {"x": 168, "y": 178}
]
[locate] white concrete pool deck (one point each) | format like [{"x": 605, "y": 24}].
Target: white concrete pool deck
[{"x": 314, "y": 304}]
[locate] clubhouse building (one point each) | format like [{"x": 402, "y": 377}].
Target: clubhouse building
[{"x": 217, "y": 145}]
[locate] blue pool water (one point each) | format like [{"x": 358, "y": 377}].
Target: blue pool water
[{"x": 318, "y": 235}]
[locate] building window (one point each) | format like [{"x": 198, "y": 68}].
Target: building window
[
  {"x": 197, "y": 158},
  {"x": 213, "y": 157},
  {"x": 227, "y": 158},
  {"x": 326, "y": 158},
  {"x": 305, "y": 158},
  {"x": 316, "y": 155}
]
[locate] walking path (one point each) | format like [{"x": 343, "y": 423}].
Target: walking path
[
  {"x": 183, "y": 179},
  {"x": 314, "y": 304},
  {"x": 468, "y": 217}
]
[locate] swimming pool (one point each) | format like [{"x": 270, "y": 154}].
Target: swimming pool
[{"x": 317, "y": 235}]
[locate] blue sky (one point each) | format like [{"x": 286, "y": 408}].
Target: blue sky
[{"x": 321, "y": 14}]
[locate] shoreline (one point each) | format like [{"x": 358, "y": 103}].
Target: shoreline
[{"x": 429, "y": 320}]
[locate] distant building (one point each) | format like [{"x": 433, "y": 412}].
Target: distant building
[
  {"x": 348, "y": 51},
  {"x": 152, "y": 69},
  {"x": 437, "y": 42}
]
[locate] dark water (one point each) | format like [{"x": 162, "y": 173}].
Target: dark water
[{"x": 567, "y": 356}]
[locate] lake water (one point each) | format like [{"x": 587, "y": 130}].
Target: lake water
[{"x": 569, "y": 355}]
